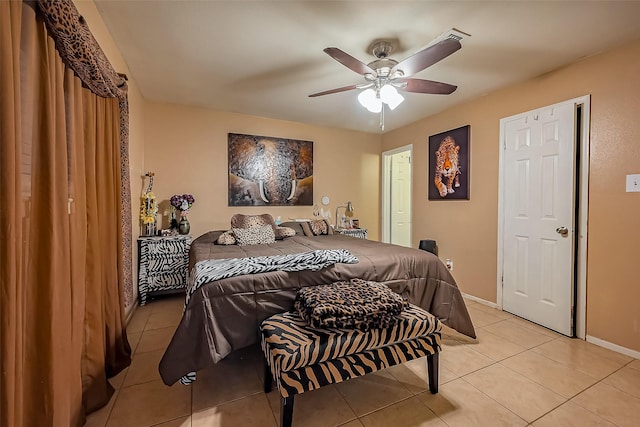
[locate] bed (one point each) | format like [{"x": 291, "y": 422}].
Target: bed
[{"x": 224, "y": 315}]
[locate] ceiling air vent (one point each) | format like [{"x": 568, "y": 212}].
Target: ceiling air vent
[{"x": 453, "y": 33}]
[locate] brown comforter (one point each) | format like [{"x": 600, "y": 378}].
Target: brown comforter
[{"x": 224, "y": 315}]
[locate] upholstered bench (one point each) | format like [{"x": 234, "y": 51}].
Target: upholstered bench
[{"x": 302, "y": 358}]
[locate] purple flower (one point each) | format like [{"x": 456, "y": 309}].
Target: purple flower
[{"x": 177, "y": 201}]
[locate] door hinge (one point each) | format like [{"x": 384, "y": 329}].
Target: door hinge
[{"x": 502, "y": 281}]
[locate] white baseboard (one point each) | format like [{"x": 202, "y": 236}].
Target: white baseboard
[
  {"x": 593, "y": 340},
  {"x": 480, "y": 300},
  {"x": 615, "y": 347}
]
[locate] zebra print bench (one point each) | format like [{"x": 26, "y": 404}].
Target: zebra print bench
[{"x": 301, "y": 358}]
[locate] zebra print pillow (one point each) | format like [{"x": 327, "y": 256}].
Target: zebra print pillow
[{"x": 260, "y": 235}]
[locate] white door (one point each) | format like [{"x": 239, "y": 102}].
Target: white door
[
  {"x": 400, "y": 202},
  {"x": 538, "y": 211},
  {"x": 396, "y": 196}
]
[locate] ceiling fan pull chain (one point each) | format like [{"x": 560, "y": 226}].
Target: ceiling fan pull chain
[{"x": 382, "y": 118}]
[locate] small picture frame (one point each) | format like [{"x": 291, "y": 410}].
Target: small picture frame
[{"x": 449, "y": 165}]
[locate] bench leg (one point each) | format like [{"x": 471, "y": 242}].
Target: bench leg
[
  {"x": 432, "y": 368},
  {"x": 268, "y": 377},
  {"x": 286, "y": 411}
]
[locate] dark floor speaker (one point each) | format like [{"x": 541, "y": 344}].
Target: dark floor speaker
[{"x": 429, "y": 246}]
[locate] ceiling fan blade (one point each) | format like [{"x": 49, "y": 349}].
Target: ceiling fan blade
[
  {"x": 340, "y": 89},
  {"x": 426, "y": 86},
  {"x": 427, "y": 57},
  {"x": 349, "y": 61}
]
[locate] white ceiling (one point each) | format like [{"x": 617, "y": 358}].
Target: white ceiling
[{"x": 265, "y": 57}]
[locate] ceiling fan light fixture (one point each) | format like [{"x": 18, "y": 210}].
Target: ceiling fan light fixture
[
  {"x": 397, "y": 100},
  {"x": 390, "y": 96},
  {"x": 375, "y": 106},
  {"x": 370, "y": 100}
]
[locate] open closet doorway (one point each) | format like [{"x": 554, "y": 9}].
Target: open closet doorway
[{"x": 396, "y": 196}]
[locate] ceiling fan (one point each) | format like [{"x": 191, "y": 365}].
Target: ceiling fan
[{"x": 385, "y": 76}]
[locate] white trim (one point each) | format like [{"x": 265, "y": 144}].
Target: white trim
[
  {"x": 501, "y": 144},
  {"x": 581, "y": 288},
  {"x": 615, "y": 347},
  {"x": 480, "y": 301},
  {"x": 581, "y": 273},
  {"x": 386, "y": 158}
]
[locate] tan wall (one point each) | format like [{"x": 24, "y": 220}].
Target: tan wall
[
  {"x": 466, "y": 231},
  {"x": 136, "y": 123},
  {"x": 187, "y": 150}
]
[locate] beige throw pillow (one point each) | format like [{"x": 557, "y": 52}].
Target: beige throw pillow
[
  {"x": 316, "y": 227},
  {"x": 226, "y": 238},
  {"x": 282, "y": 232}
]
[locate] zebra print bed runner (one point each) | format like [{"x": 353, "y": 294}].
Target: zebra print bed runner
[{"x": 215, "y": 269}]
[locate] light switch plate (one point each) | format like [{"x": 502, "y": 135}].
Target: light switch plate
[{"x": 633, "y": 183}]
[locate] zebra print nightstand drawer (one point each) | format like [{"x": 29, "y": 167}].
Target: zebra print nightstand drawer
[
  {"x": 162, "y": 264},
  {"x": 160, "y": 249}
]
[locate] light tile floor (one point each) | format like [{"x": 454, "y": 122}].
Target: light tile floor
[{"x": 515, "y": 374}]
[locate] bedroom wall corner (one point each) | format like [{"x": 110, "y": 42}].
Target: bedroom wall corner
[{"x": 88, "y": 10}]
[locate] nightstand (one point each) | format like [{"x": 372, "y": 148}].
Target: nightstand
[
  {"x": 162, "y": 265},
  {"x": 353, "y": 232}
]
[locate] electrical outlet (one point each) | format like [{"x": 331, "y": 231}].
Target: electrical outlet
[
  {"x": 633, "y": 183},
  {"x": 449, "y": 263}
]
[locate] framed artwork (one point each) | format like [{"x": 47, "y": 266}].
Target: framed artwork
[
  {"x": 269, "y": 171},
  {"x": 449, "y": 165}
]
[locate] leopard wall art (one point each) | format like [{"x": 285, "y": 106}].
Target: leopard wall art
[{"x": 447, "y": 167}]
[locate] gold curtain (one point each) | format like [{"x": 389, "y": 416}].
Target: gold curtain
[{"x": 61, "y": 297}]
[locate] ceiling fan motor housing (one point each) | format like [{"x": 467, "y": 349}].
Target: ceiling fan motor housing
[
  {"x": 383, "y": 66},
  {"x": 382, "y": 49}
]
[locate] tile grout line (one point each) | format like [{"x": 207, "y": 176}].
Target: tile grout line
[
  {"x": 383, "y": 407},
  {"x": 617, "y": 388},
  {"x": 542, "y": 354},
  {"x": 485, "y": 394},
  {"x": 116, "y": 397},
  {"x": 587, "y": 409},
  {"x": 429, "y": 409}
]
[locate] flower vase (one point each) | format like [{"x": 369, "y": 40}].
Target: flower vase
[{"x": 184, "y": 227}]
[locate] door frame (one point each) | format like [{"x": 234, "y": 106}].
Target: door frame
[
  {"x": 582, "y": 191},
  {"x": 386, "y": 183}
]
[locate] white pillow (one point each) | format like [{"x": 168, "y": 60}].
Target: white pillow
[{"x": 260, "y": 235}]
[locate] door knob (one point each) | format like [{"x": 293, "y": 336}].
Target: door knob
[{"x": 562, "y": 231}]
